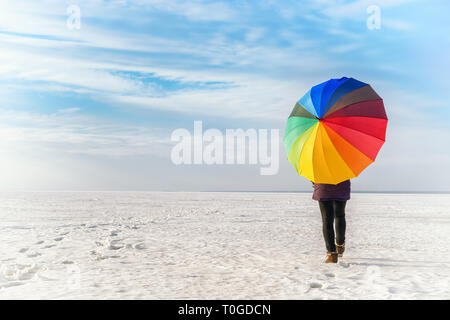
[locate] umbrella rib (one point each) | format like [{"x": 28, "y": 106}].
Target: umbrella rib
[
  {"x": 351, "y": 105},
  {"x": 321, "y": 128},
  {"x": 366, "y": 91},
  {"x": 321, "y": 99},
  {"x": 303, "y": 148},
  {"x": 338, "y": 153},
  {"x": 312, "y": 153},
  {"x": 306, "y": 127},
  {"x": 301, "y": 136},
  {"x": 303, "y": 110},
  {"x": 327, "y": 118},
  {"x": 351, "y": 146},
  {"x": 348, "y": 128},
  {"x": 383, "y": 141}
]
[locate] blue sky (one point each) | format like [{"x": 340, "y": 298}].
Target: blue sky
[{"x": 93, "y": 108}]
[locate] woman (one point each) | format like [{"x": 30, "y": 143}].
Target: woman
[{"x": 332, "y": 199}]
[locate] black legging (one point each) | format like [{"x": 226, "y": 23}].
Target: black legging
[{"x": 332, "y": 210}]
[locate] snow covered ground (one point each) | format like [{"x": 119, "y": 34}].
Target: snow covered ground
[{"x": 73, "y": 245}]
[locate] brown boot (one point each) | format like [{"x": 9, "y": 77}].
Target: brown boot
[
  {"x": 332, "y": 257},
  {"x": 340, "y": 249}
]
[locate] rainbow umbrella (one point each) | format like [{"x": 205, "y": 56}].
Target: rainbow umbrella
[{"x": 335, "y": 130}]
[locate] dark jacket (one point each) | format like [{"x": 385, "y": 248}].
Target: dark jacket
[{"x": 324, "y": 192}]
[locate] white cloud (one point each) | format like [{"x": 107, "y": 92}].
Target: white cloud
[
  {"x": 195, "y": 10},
  {"x": 58, "y": 65},
  {"x": 252, "y": 99},
  {"x": 69, "y": 133},
  {"x": 69, "y": 110}
]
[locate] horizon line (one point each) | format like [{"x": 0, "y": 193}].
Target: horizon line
[{"x": 241, "y": 191}]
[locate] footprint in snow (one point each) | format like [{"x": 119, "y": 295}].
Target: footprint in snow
[
  {"x": 139, "y": 246},
  {"x": 115, "y": 245},
  {"x": 58, "y": 238},
  {"x": 11, "y": 284},
  {"x": 392, "y": 290},
  {"x": 33, "y": 254},
  {"x": 315, "y": 285},
  {"x": 105, "y": 257},
  {"x": 20, "y": 272}
]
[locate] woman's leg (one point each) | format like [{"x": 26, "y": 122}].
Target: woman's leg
[
  {"x": 339, "y": 216},
  {"x": 326, "y": 209}
]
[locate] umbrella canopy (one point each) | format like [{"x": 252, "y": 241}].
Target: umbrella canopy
[{"x": 335, "y": 130}]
